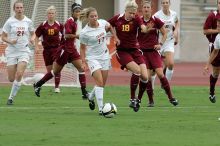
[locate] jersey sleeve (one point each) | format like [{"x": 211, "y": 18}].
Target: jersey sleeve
[
  {"x": 6, "y": 27},
  {"x": 83, "y": 39},
  {"x": 175, "y": 17},
  {"x": 139, "y": 20},
  {"x": 38, "y": 31},
  {"x": 31, "y": 26},
  {"x": 113, "y": 20},
  {"x": 208, "y": 22},
  {"x": 67, "y": 26},
  {"x": 159, "y": 23}
]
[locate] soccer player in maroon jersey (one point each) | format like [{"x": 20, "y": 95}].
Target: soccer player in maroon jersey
[
  {"x": 128, "y": 53},
  {"x": 51, "y": 32},
  {"x": 149, "y": 45},
  {"x": 67, "y": 53},
  {"x": 211, "y": 31},
  {"x": 214, "y": 60}
]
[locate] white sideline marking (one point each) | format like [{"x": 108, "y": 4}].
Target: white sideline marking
[{"x": 142, "y": 108}]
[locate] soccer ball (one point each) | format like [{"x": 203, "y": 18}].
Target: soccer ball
[
  {"x": 37, "y": 77},
  {"x": 31, "y": 80},
  {"x": 109, "y": 110}
]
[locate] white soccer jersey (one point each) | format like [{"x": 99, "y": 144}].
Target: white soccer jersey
[
  {"x": 217, "y": 42},
  {"x": 18, "y": 29},
  {"x": 169, "y": 22},
  {"x": 95, "y": 41}
]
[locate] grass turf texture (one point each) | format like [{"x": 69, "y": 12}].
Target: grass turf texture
[{"x": 64, "y": 119}]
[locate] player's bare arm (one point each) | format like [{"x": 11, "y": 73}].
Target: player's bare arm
[
  {"x": 113, "y": 32},
  {"x": 7, "y": 40},
  {"x": 83, "y": 55},
  {"x": 175, "y": 33},
  {"x": 163, "y": 39},
  {"x": 210, "y": 31},
  {"x": 32, "y": 38},
  {"x": 71, "y": 36}
]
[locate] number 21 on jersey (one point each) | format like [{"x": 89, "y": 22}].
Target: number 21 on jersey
[{"x": 126, "y": 27}]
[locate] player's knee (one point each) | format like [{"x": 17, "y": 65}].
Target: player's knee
[
  {"x": 11, "y": 79},
  {"x": 100, "y": 83}
]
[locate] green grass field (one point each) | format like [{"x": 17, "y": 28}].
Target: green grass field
[{"x": 65, "y": 119}]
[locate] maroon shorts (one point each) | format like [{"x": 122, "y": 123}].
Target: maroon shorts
[
  {"x": 126, "y": 56},
  {"x": 153, "y": 59},
  {"x": 64, "y": 57},
  {"x": 216, "y": 61},
  {"x": 49, "y": 55}
]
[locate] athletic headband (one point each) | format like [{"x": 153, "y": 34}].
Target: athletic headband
[{"x": 76, "y": 6}]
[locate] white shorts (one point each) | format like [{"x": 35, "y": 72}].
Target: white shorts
[
  {"x": 19, "y": 57},
  {"x": 96, "y": 64},
  {"x": 168, "y": 46}
]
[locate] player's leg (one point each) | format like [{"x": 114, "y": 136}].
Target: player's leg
[
  {"x": 49, "y": 75},
  {"x": 99, "y": 89},
  {"x": 136, "y": 72},
  {"x": 213, "y": 79},
  {"x": 169, "y": 64},
  {"x": 142, "y": 84},
  {"x": 153, "y": 78},
  {"x": 82, "y": 78},
  {"x": 166, "y": 86},
  {"x": 15, "y": 68}
]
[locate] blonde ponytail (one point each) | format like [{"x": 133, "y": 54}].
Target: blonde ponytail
[{"x": 84, "y": 14}]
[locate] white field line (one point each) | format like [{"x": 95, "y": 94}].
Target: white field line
[{"x": 142, "y": 108}]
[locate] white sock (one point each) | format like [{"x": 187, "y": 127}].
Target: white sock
[
  {"x": 92, "y": 94},
  {"x": 169, "y": 74},
  {"x": 99, "y": 96},
  {"x": 153, "y": 77},
  {"x": 14, "y": 89}
]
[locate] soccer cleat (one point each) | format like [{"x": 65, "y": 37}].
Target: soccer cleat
[
  {"x": 132, "y": 103},
  {"x": 85, "y": 95},
  {"x": 37, "y": 90},
  {"x": 57, "y": 90},
  {"x": 212, "y": 98},
  {"x": 137, "y": 105},
  {"x": 174, "y": 101},
  {"x": 150, "y": 104},
  {"x": 91, "y": 104},
  {"x": 10, "y": 102}
]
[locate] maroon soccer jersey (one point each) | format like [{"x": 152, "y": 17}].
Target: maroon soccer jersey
[
  {"x": 148, "y": 40},
  {"x": 70, "y": 27},
  {"x": 51, "y": 34},
  {"x": 211, "y": 23},
  {"x": 126, "y": 30}
]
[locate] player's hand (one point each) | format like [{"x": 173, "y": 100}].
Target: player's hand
[
  {"x": 157, "y": 47},
  {"x": 84, "y": 66},
  {"x": 117, "y": 42},
  {"x": 13, "y": 42},
  {"x": 206, "y": 69}
]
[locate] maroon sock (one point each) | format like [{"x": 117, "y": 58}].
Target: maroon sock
[
  {"x": 57, "y": 80},
  {"x": 166, "y": 86},
  {"x": 150, "y": 92},
  {"x": 142, "y": 88},
  {"x": 82, "y": 80},
  {"x": 133, "y": 85},
  {"x": 46, "y": 78},
  {"x": 212, "y": 84}
]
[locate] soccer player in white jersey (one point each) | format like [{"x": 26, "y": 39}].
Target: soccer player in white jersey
[
  {"x": 171, "y": 22},
  {"x": 94, "y": 53},
  {"x": 18, "y": 32}
]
